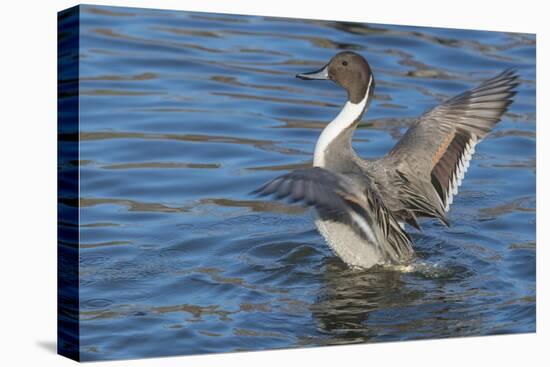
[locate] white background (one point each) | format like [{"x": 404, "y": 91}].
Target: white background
[{"x": 28, "y": 181}]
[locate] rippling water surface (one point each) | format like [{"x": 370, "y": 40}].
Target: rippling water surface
[{"x": 183, "y": 114}]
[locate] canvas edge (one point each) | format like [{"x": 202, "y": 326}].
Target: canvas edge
[{"x": 68, "y": 333}]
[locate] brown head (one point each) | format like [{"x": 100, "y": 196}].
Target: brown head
[{"x": 349, "y": 70}]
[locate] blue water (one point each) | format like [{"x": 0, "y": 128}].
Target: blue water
[{"x": 183, "y": 114}]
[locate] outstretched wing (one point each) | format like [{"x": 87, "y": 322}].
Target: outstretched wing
[
  {"x": 437, "y": 149},
  {"x": 338, "y": 197}
]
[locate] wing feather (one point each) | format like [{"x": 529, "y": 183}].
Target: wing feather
[
  {"x": 436, "y": 151},
  {"x": 340, "y": 198}
]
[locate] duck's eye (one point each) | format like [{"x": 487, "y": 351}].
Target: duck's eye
[{"x": 345, "y": 63}]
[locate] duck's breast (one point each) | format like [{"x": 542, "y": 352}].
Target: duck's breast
[{"x": 348, "y": 246}]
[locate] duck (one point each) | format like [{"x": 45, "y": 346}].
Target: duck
[{"x": 362, "y": 205}]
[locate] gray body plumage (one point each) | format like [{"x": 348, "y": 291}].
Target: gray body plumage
[{"x": 360, "y": 203}]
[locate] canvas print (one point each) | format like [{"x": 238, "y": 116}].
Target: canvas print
[{"x": 236, "y": 183}]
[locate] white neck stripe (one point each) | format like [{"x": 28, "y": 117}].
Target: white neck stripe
[{"x": 349, "y": 114}]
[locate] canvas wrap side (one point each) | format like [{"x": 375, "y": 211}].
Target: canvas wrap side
[{"x": 68, "y": 182}]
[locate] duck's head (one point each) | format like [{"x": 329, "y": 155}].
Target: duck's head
[{"x": 349, "y": 70}]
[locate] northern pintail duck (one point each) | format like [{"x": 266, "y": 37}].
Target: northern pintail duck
[{"x": 362, "y": 205}]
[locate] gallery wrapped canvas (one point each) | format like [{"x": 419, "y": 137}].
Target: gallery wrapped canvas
[{"x": 235, "y": 183}]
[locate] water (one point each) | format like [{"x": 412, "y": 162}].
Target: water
[{"x": 183, "y": 114}]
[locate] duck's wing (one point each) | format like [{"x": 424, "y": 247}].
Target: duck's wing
[
  {"x": 348, "y": 199},
  {"x": 435, "y": 152}
]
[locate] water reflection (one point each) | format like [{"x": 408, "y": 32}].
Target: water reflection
[{"x": 347, "y": 298}]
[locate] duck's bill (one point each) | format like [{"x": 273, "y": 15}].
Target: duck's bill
[{"x": 321, "y": 74}]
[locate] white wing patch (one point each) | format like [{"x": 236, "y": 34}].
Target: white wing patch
[
  {"x": 458, "y": 175},
  {"x": 365, "y": 228}
]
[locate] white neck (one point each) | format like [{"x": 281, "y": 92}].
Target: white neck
[{"x": 349, "y": 114}]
